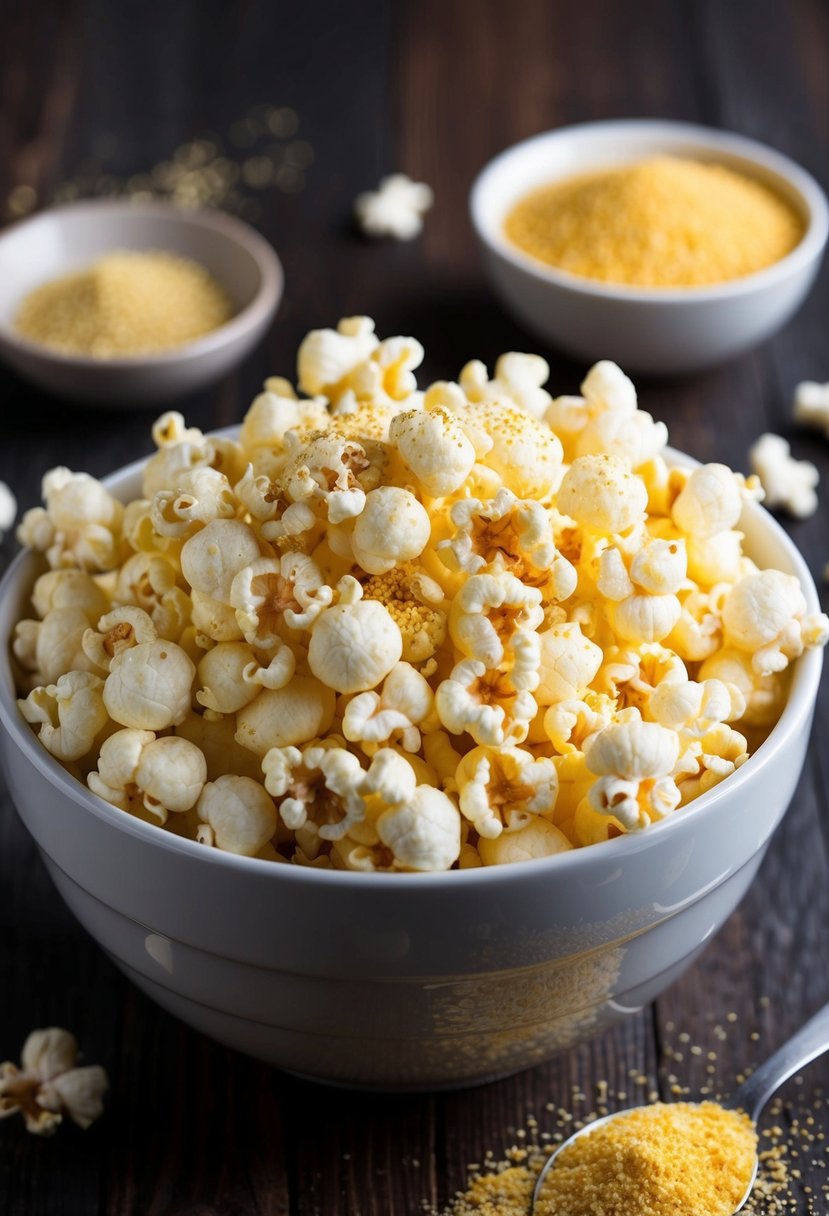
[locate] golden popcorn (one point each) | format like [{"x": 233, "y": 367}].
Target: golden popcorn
[{"x": 400, "y": 630}]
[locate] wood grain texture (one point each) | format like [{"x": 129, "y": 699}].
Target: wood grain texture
[{"x": 193, "y": 1129}]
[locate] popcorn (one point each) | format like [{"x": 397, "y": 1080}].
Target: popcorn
[
  {"x": 634, "y": 762},
  {"x": 390, "y": 629},
  {"x": 405, "y": 701},
  {"x": 395, "y": 209},
  {"x": 68, "y": 714},
  {"x": 138, "y": 771},
  {"x": 501, "y": 790},
  {"x": 49, "y": 1084},
  {"x": 392, "y": 527},
  {"x": 301, "y": 710},
  {"x": 238, "y": 815},
  {"x": 601, "y": 494},
  {"x": 518, "y": 378},
  {"x": 788, "y": 483},
  {"x": 765, "y": 615},
  {"x": 811, "y": 404},
  {"x": 433, "y": 443},
  {"x": 355, "y": 643},
  {"x": 148, "y": 686}
]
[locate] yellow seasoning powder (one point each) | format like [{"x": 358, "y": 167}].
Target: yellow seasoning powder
[
  {"x": 125, "y": 304},
  {"x": 678, "y": 1159},
  {"x": 664, "y": 222}
]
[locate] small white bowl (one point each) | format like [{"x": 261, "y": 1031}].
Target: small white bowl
[
  {"x": 68, "y": 238},
  {"x": 406, "y": 981},
  {"x": 658, "y": 330}
]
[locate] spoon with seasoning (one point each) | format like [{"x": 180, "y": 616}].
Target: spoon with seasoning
[{"x": 728, "y": 1127}]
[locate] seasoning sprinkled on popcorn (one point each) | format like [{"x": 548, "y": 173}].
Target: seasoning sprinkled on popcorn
[{"x": 395, "y": 628}]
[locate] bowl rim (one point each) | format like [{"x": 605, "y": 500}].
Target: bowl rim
[
  {"x": 798, "y": 708},
  {"x": 258, "y": 311},
  {"x": 694, "y": 136}
]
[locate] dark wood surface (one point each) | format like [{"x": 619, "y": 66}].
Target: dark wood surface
[{"x": 431, "y": 87}]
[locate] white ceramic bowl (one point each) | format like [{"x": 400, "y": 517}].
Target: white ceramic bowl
[
  {"x": 68, "y": 238},
  {"x": 661, "y": 330},
  {"x": 405, "y": 981}
]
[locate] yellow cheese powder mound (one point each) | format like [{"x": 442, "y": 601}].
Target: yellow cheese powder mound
[
  {"x": 682, "y": 1159},
  {"x": 663, "y": 222},
  {"x": 125, "y": 304}
]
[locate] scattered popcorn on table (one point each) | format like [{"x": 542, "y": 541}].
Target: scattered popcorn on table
[
  {"x": 395, "y": 209},
  {"x": 402, "y": 629},
  {"x": 811, "y": 405},
  {"x": 48, "y": 1084},
  {"x": 787, "y": 483}
]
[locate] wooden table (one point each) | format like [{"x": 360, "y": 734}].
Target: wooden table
[{"x": 433, "y": 88}]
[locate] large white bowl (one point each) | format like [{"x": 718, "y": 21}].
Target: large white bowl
[
  {"x": 68, "y": 238},
  {"x": 406, "y": 981},
  {"x": 644, "y": 329}
]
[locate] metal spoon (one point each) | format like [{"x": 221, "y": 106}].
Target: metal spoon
[{"x": 811, "y": 1041}]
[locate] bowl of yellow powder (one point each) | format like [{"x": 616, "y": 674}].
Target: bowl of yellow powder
[
  {"x": 116, "y": 304},
  {"x": 669, "y": 246}
]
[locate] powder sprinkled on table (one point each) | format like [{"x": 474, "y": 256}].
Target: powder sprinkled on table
[
  {"x": 664, "y": 222},
  {"x": 125, "y": 304}
]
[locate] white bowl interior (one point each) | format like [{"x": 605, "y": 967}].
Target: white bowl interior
[
  {"x": 68, "y": 239},
  {"x": 555, "y": 155}
]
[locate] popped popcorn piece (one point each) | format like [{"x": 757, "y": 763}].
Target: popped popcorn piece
[
  {"x": 406, "y": 699},
  {"x": 54, "y": 645},
  {"x": 69, "y": 589},
  {"x": 811, "y": 404},
  {"x": 395, "y": 209},
  {"x": 422, "y": 834},
  {"x": 281, "y": 717},
  {"x": 538, "y": 838},
  {"x": 8, "y": 508},
  {"x": 500, "y": 790},
  {"x": 392, "y": 527},
  {"x": 150, "y": 581},
  {"x": 233, "y": 673},
  {"x": 355, "y": 643},
  {"x": 631, "y": 674},
  {"x": 763, "y": 695},
  {"x": 115, "y": 632},
  {"x": 327, "y": 357},
  {"x": 568, "y": 663},
  {"x": 691, "y": 708},
  {"x": 199, "y": 497},
  {"x": 239, "y": 815},
  {"x": 601, "y": 494},
  {"x": 148, "y": 686},
  {"x": 327, "y": 469},
  {"x": 137, "y": 770},
  {"x": 525, "y": 454},
  {"x": 518, "y": 378},
  {"x": 569, "y": 724},
  {"x": 788, "y": 483},
  {"x": 711, "y": 501},
  {"x": 487, "y": 614},
  {"x": 634, "y": 762},
  {"x": 715, "y": 755},
  {"x": 765, "y": 614},
  {"x": 80, "y": 525},
  {"x": 507, "y": 533},
  {"x": 69, "y": 714},
  {"x": 273, "y": 414},
  {"x": 271, "y": 591},
  {"x": 488, "y": 705},
  {"x": 433, "y": 443},
  {"x": 212, "y": 558},
  {"x": 49, "y": 1084}
]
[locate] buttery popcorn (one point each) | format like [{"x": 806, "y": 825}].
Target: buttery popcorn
[{"x": 393, "y": 629}]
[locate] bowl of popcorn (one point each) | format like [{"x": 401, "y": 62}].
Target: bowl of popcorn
[
  {"x": 404, "y": 736},
  {"x": 667, "y": 246},
  {"x": 119, "y": 303}
]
